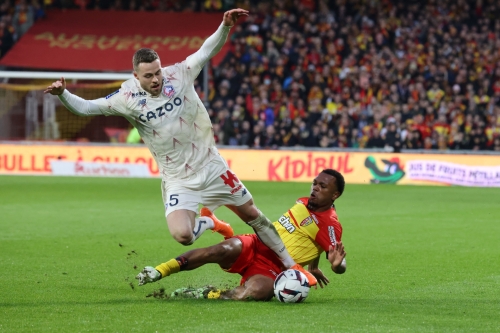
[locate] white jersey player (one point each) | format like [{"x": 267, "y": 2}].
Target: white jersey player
[{"x": 173, "y": 122}]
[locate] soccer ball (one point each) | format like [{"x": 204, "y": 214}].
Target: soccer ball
[{"x": 291, "y": 286}]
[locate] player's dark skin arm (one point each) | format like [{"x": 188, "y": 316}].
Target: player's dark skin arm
[
  {"x": 318, "y": 273},
  {"x": 336, "y": 255}
]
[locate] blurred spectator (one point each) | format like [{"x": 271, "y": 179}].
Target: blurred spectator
[
  {"x": 496, "y": 144},
  {"x": 212, "y": 5},
  {"x": 245, "y": 137},
  {"x": 23, "y": 18},
  {"x": 293, "y": 138},
  {"x": 392, "y": 137},
  {"x": 313, "y": 137},
  {"x": 478, "y": 139},
  {"x": 38, "y": 11},
  {"x": 458, "y": 142},
  {"x": 270, "y": 139},
  {"x": 375, "y": 140},
  {"x": 232, "y": 129},
  {"x": 6, "y": 37},
  {"x": 412, "y": 140}
]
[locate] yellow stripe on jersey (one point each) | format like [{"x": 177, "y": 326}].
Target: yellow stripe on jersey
[{"x": 298, "y": 231}]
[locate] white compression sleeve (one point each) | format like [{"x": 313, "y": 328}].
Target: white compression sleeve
[
  {"x": 82, "y": 107},
  {"x": 210, "y": 47},
  {"x": 270, "y": 237}
]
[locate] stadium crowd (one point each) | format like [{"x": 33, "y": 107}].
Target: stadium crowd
[{"x": 376, "y": 74}]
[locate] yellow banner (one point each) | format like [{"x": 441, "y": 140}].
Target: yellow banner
[{"x": 270, "y": 165}]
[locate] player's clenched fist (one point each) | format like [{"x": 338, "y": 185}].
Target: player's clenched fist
[
  {"x": 56, "y": 88},
  {"x": 232, "y": 16}
]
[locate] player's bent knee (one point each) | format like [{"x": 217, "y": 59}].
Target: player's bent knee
[{"x": 184, "y": 238}]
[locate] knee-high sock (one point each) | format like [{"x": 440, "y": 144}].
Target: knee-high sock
[
  {"x": 201, "y": 224},
  {"x": 172, "y": 266},
  {"x": 269, "y": 236},
  {"x": 169, "y": 267}
]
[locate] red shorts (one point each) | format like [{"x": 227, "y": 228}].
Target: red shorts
[{"x": 255, "y": 258}]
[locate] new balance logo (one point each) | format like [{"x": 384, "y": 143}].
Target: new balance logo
[{"x": 200, "y": 222}]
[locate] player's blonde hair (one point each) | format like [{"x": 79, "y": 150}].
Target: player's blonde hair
[{"x": 144, "y": 55}]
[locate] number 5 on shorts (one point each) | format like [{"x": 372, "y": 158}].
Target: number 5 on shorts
[{"x": 173, "y": 200}]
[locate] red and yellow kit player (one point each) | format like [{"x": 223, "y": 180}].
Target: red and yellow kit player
[
  {"x": 307, "y": 233},
  {"x": 309, "y": 228}
]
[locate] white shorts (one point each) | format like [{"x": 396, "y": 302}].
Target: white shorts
[{"x": 213, "y": 186}]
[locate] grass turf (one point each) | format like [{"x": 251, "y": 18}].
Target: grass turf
[{"x": 420, "y": 259}]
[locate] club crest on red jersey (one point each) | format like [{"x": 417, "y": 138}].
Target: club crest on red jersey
[{"x": 168, "y": 91}]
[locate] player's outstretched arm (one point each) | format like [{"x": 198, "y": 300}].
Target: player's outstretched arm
[
  {"x": 56, "y": 88},
  {"x": 75, "y": 104},
  {"x": 313, "y": 267},
  {"x": 214, "y": 43},
  {"x": 232, "y": 16},
  {"x": 336, "y": 256}
]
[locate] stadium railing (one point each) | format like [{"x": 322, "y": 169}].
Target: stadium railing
[{"x": 26, "y": 113}]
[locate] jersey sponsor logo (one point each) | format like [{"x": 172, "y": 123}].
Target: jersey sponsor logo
[
  {"x": 285, "y": 222},
  {"x": 138, "y": 94},
  {"x": 168, "y": 91},
  {"x": 236, "y": 189},
  {"x": 160, "y": 112},
  {"x": 113, "y": 93},
  {"x": 308, "y": 220},
  {"x": 331, "y": 233}
]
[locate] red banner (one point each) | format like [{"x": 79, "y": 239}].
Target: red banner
[{"x": 107, "y": 40}]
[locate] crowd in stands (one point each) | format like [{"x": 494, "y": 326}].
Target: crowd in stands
[
  {"x": 389, "y": 74},
  {"x": 15, "y": 19},
  {"x": 375, "y": 74}
]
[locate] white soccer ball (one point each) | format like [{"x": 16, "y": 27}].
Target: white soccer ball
[{"x": 291, "y": 286}]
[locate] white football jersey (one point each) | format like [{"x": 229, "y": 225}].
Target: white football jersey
[{"x": 174, "y": 125}]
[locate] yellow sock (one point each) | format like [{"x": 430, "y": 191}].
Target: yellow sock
[
  {"x": 214, "y": 294},
  {"x": 169, "y": 267}
]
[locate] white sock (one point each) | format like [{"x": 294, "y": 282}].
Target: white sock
[
  {"x": 201, "y": 224},
  {"x": 269, "y": 236}
]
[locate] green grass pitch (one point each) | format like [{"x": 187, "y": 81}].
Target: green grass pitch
[{"x": 420, "y": 259}]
